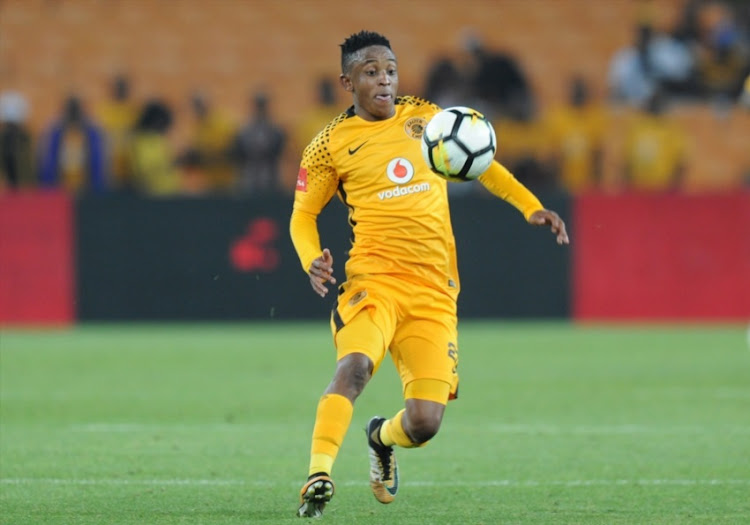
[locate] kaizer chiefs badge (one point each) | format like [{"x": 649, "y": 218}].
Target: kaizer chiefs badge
[{"x": 414, "y": 127}]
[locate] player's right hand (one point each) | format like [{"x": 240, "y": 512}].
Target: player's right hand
[
  {"x": 553, "y": 220},
  {"x": 321, "y": 272}
]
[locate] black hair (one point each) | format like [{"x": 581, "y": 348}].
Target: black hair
[
  {"x": 155, "y": 116},
  {"x": 359, "y": 41}
]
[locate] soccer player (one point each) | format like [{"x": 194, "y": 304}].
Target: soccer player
[{"x": 401, "y": 276}]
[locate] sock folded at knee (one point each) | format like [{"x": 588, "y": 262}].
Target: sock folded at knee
[
  {"x": 392, "y": 432},
  {"x": 332, "y": 420}
]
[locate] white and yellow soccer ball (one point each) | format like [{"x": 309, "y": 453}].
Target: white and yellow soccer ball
[{"x": 459, "y": 144}]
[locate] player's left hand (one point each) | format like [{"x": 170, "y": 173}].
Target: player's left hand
[{"x": 556, "y": 224}]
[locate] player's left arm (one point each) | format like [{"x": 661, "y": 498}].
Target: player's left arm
[{"x": 501, "y": 182}]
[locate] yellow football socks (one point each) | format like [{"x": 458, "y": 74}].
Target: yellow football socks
[
  {"x": 332, "y": 420},
  {"x": 392, "y": 432}
]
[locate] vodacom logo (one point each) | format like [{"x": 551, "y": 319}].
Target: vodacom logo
[{"x": 400, "y": 170}]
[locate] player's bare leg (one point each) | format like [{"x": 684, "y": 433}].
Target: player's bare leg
[{"x": 334, "y": 413}]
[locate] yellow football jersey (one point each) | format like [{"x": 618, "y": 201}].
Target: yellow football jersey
[{"x": 398, "y": 208}]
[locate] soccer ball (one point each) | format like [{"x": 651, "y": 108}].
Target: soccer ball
[{"x": 459, "y": 144}]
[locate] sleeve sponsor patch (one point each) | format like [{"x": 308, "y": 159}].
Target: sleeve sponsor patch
[{"x": 302, "y": 180}]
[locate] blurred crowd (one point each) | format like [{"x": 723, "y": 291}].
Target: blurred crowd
[
  {"x": 123, "y": 145},
  {"x": 704, "y": 61}
]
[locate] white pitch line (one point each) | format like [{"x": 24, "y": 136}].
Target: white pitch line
[
  {"x": 138, "y": 482},
  {"x": 114, "y": 428},
  {"x": 625, "y": 429},
  {"x": 417, "y": 484},
  {"x": 500, "y": 428}
]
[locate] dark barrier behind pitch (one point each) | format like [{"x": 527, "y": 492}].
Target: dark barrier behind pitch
[
  {"x": 225, "y": 259},
  {"x": 190, "y": 259},
  {"x": 508, "y": 268}
]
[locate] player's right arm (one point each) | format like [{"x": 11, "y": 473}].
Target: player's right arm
[
  {"x": 316, "y": 262},
  {"x": 316, "y": 185}
]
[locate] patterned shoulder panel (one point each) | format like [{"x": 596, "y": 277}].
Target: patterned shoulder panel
[
  {"x": 411, "y": 100},
  {"x": 317, "y": 151}
]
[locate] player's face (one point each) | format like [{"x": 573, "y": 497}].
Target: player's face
[{"x": 373, "y": 80}]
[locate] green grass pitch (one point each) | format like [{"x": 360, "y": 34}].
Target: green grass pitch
[{"x": 210, "y": 424}]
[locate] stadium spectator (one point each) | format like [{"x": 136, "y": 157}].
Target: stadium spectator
[
  {"x": 192, "y": 177},
  {"x": 258, "y": 151},
  {"x": 524, "y": 145},
  {"x": 445, "y": 84},
  {"x": 117, "y": 115},
  {"x": 402, "y": 280},
  {"x": 320, "y": 113},
  {"x": 497, "y": 81},
  {"x": 211, "y": 141},
  {"x": 16, "y": 143},
  {"x": 687, "y": 29},
  {"x": 744, "y": 98},
  {"x": 722, "y": 62},
  {"x": 325, "y": 106},
  {"x": 654, "y": 62},
  {"x": 72, "y": 153},
  {"x": 576, "y": 133},
  {"x": 151, "y": 156},
  {"x": 655, "y": 149},
  {"x": 744, "y": 103}
]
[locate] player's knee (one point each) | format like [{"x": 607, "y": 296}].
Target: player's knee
[
  {"x": 423, "y": 426},
  {"x": 358, "y": 377},
  {"x": 353, "y": 372}
]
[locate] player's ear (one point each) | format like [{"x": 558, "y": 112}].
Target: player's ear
[{"x": 346, "y": 82}]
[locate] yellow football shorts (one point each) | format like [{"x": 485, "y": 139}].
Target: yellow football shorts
[{"x": 418, "y": 324}]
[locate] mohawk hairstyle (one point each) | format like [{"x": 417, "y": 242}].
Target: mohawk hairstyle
[{"x": 359, "y": 41}]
